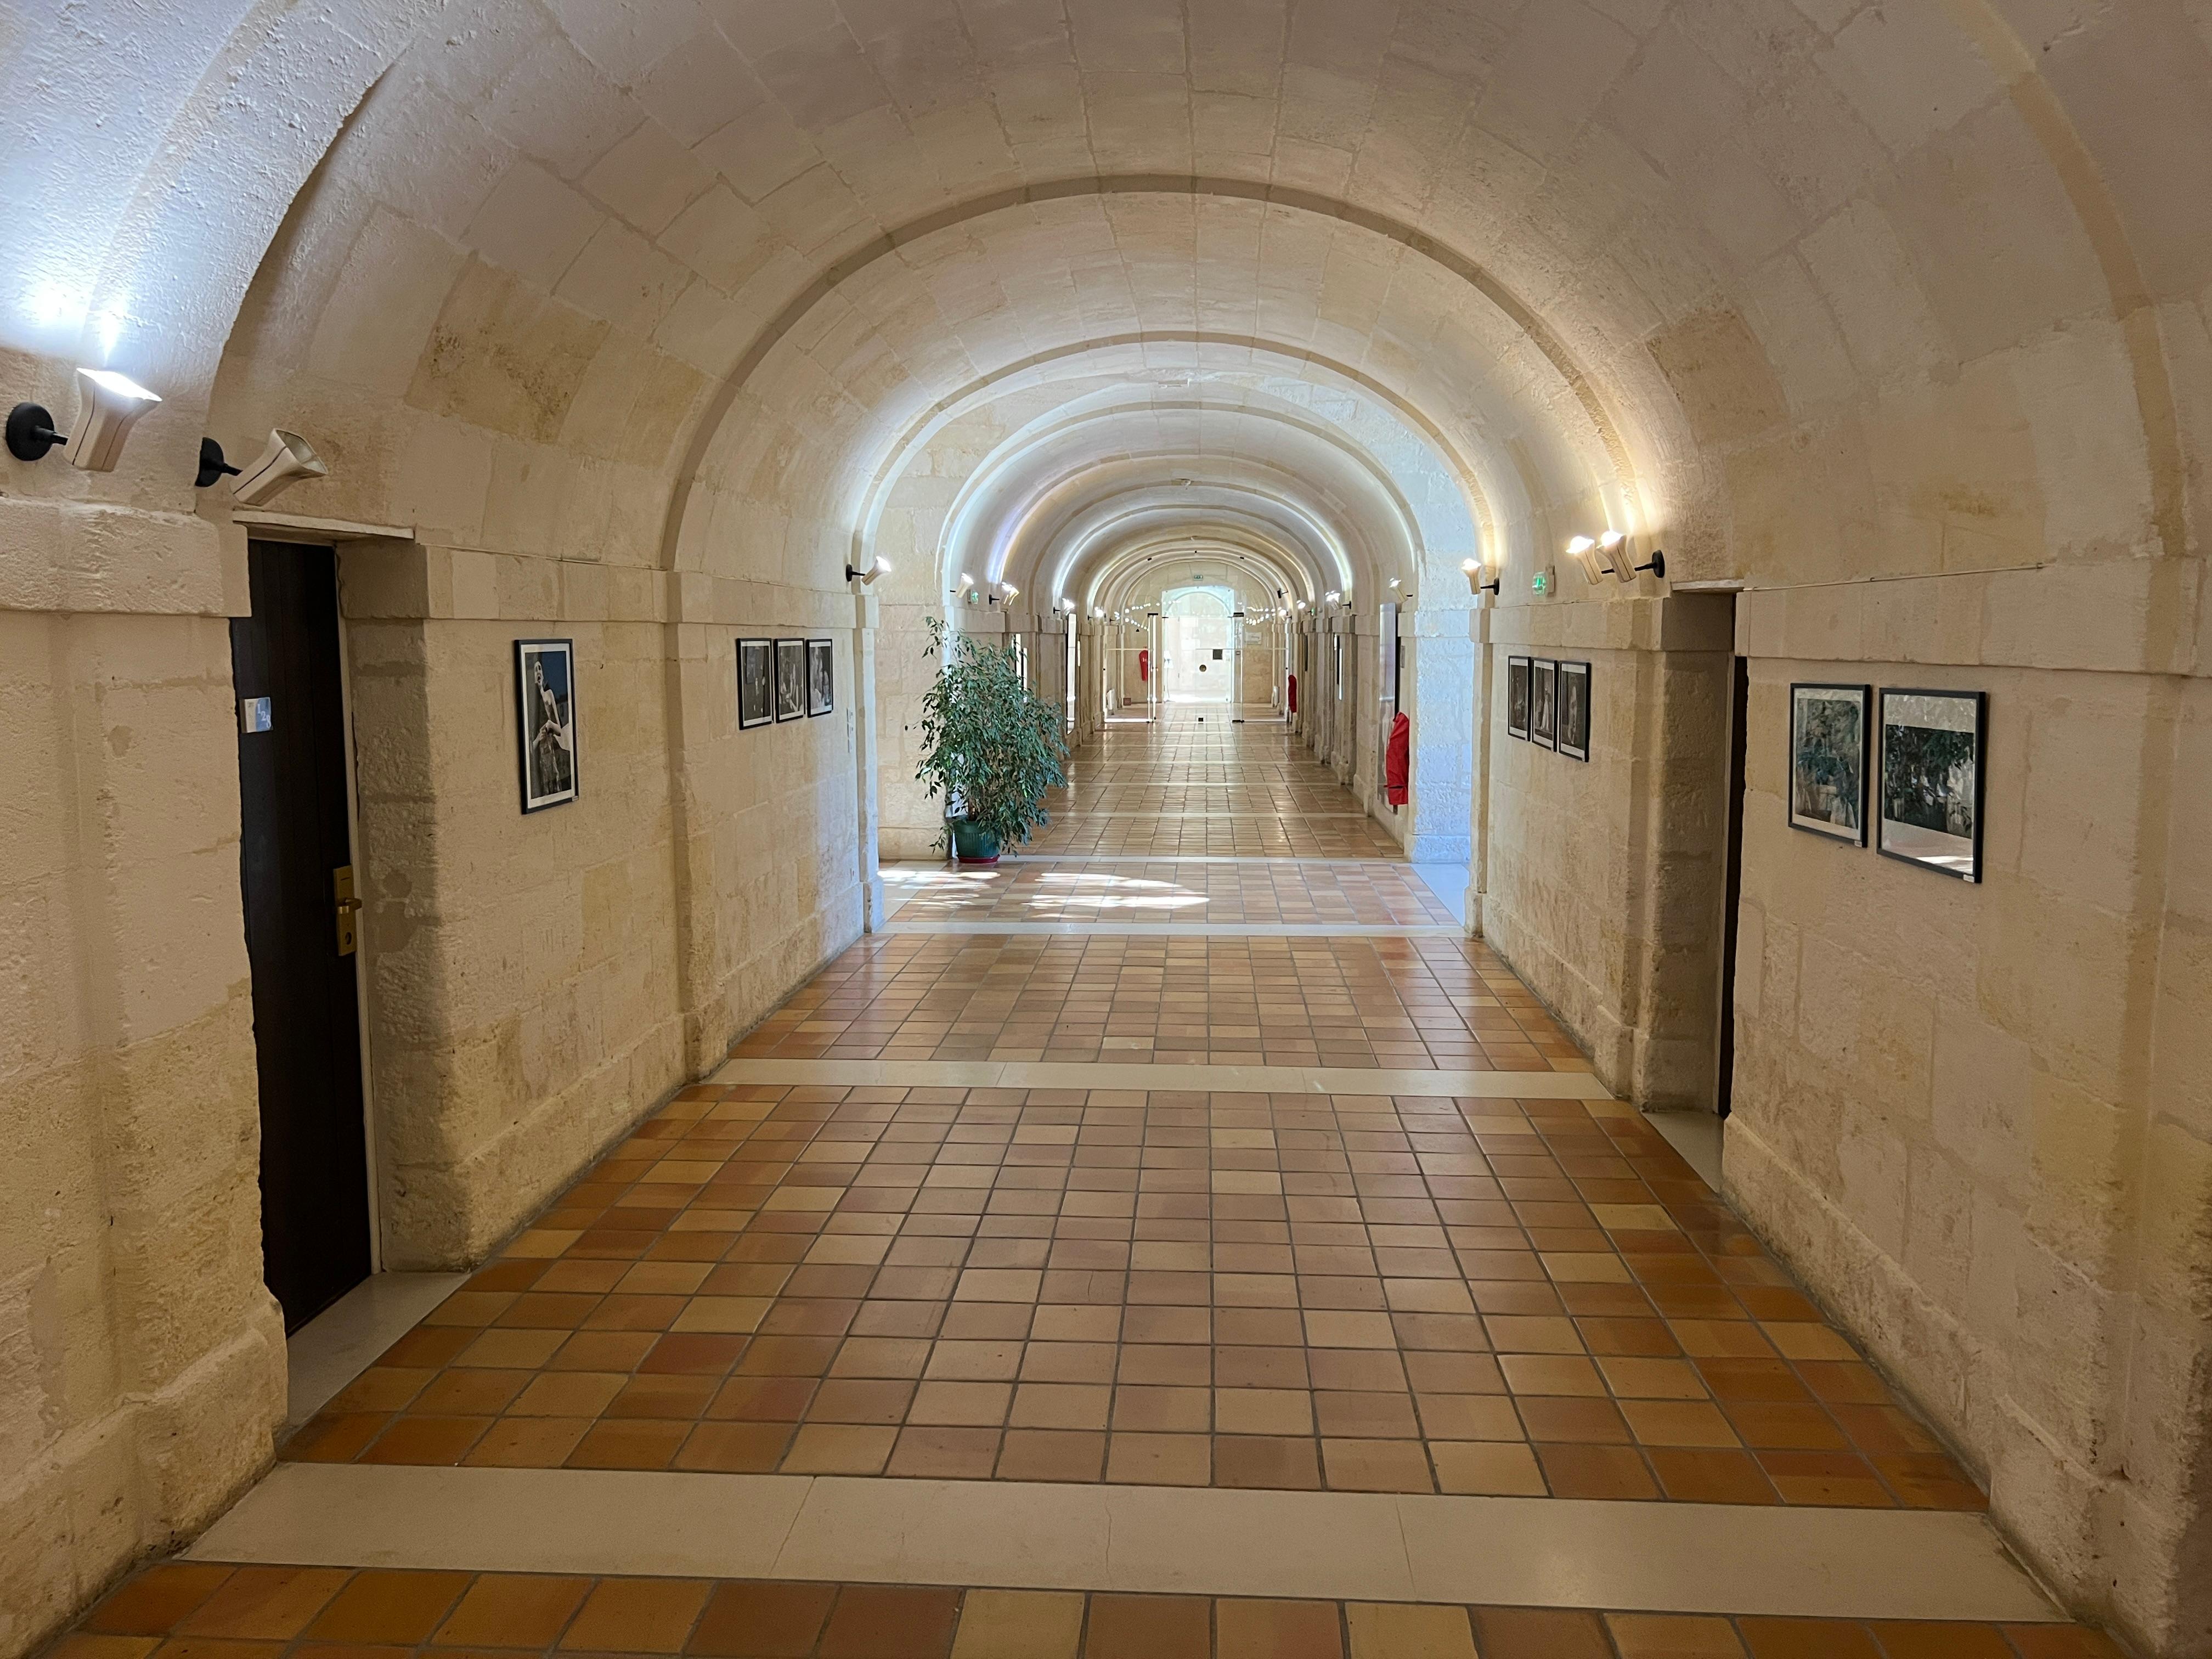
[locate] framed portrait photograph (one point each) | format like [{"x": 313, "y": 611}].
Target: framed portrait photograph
[
  {"x": 790, "y": 679},
  {"x": 821, "y": 677},
  {"x": 1516, "y": 697},
  {"x": 1574, "y": 706},
  {"x": 545, "y": 705},
  {"x": 1543, "y": 703},
  {"x": 756, "y": 683},
  {"x": 1933, "y": 759},
  {"x": 1828, "y": 760}
]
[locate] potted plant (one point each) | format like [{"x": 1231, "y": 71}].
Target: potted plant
[{"x": 989, "y": 745}]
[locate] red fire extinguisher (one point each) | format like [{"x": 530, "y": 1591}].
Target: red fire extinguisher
[{"x": 1144, "y": 665}]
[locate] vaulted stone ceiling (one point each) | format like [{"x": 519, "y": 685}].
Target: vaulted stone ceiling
[{"x": 675, "y": 281}]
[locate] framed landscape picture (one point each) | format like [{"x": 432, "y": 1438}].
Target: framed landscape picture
[
  {"x": 1543, "y": 703},
  {"x": 756, "y": 683},
  {"x": 821, "y": 681},
  {"x": 1574, "y": 710},
  {"x": 1828, "y": 760},
  {"x": 545, "y": 702},
  {"x": 790, "y": 679},
  {"x": 1516, "y": 697},
  {"x": 1933, "y": 759}
]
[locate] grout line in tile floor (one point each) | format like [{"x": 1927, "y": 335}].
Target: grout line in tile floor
[{"x": 1141, "y": 1073}]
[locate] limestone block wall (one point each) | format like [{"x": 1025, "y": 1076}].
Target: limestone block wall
[
  {"x": 141, "y": 1362},
  {"x": 1970, "y": 1115},
  {"x": 537, "y": 982},
  {"x": 1604, "y": 877},
  {"x": 1439, "y": 687}
]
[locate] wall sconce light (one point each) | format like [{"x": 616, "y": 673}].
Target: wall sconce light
[
  {"x": 1331, "y": 597},
  {"x": 287, "y": 460},
  {"x": 1475, "y": 570},
  {"x": 110, "y": 404},
  {"x": 1593, "y": 563},
  {"x": 869, "y": 577},
  {"x": 1617, "y": 544}
]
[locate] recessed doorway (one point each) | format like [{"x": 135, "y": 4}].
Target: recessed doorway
[{"x": 297, "y": 879}]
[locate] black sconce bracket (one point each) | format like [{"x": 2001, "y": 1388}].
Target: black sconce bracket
[{"x": 31, "y": 432}]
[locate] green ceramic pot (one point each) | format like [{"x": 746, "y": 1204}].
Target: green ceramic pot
[{"x": 971, "y": 845}]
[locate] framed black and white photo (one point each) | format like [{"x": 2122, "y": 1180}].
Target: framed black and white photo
[
  {"x": 1516, "y": 697},
  {"x": 1933, "y": 759},
  {"x": 790, "y": 679},
  {"x": 821, "y": 677},
  {"x": 1828, "y": 760},
  {"x": 756, "y": 683},
  {"x": 1574, "y": 705},
  {"x": 1543, "y": 703},
  {"x": 545, "y": 703}
]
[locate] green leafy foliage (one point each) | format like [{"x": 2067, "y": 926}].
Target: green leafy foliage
[{"x": 989, "y": 745}]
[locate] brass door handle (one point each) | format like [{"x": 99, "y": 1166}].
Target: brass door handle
[{"x": 348, "y": 907}]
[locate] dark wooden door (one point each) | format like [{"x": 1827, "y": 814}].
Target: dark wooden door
[
  {"x": 1732, "y": 882},
  {"x": 295, "y": 867}
]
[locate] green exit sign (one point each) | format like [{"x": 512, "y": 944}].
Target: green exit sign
[{"x": 1540, "y": 583}]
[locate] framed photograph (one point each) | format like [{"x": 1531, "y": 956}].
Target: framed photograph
[
  {"x": 1516, "y": 697},
  {"x": 1932, "y": 765},
  {"x": 790, "y": 679},
  {"x": 756, "y": 683},
  {"x": 1543, "y": 703},
  {"x": 1828, "y": 760},
  {"x": 545, "y": 704},
  {"x": 1574, "y": 710},
  {"x": 821, "y": 677}
]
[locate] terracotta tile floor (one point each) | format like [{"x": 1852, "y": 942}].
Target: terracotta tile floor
[
  {"x": 1292, "y": 1291},
  {"x": 1372, "y": 891},
  {"x": 1276, "y": 836},
  {"x": 1425, "y": 1004},
  {"x": 211, "y": 1611},
  {"x": 1210, "y": 787}
]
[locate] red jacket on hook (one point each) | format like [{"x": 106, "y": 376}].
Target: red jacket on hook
[{"x": 1396, "y": 759}]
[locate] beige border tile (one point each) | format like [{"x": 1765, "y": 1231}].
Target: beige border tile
[{"x": 1677, "y": 1558}]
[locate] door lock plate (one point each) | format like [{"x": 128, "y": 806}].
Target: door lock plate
[{"x": 348, "y": 907}]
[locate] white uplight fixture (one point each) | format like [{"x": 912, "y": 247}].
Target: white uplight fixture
[
  {"x": 287, "y": 460},
  {"x": 1594, "y": 567},
  {"x": 1624, "y": 562},
  {"x": 109, "y": 405},
  {"x": 1476, "y": 570},
  {"x": 868, "y": 578}
]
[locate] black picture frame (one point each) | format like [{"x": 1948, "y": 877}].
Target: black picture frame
[
  {"x": 1574, "y": 710},
  {"x": 790, "y": 679},
  {"x": 756, "y": 683},
  {"x": 821, "y": 677},
  {"x": 1831, "y": 746},
  {"x": 1516, "y": 697},
  {"x": 1927, "y": 771},
  {"x": 548, "y": 741},
  {"x": 1543, "y": 703}
]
